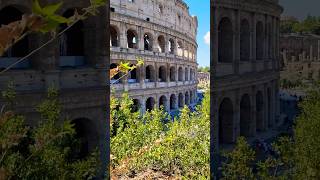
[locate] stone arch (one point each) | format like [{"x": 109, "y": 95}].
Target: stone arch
[
  {"x": 226, "y": 122},
  {"x": 10, "y": 14},
  {"x": 245, "y": 116},
  {"x": 225, "y": 40},
  {"x": 150, "y": 104},
  {"x": 163, "y": 102},
  {"x": 172, "y": 73},
  {"x": 171, "y": 46},
  {"x": 180, "y": 74},
  {"x": 132, "y": 39},
  {"x": 150, "y": 74},
  {"x": 114, "y": 36},
  {"x": 244, "y": 40},
  {"x": 186, "y": 76},
  {"x": 187, "y": 99},
  {"x": 259, "y": 40},
  {"x": 72, "y": 41},
  {"x": 148, "y": 41},
  {"x": 133, "y": 76},
  {"x": 180, "y": 100},
  {"x": 259, "y": 111},
  {"x": 162, "y": 43},
  {"x": 173, "y": 101},
  {"x": 86, "y": 134},
  {"x": 162, "y": 74},
  {"x": 136, "y": 105}
]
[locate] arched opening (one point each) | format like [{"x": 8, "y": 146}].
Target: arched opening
[
  {"x": 181, "y": 101},
  {"x": 147, "y": 38},
  {"x": 191, "y": 75},
  {"x": 180, "y": 48},
  {"x": 180, "y": 74},
  {"x": 150, "y": 104},
  {"x": 171, "y": 46},
  {"x": 72, "y": 41},
  {"x": 132, "y": 39},
  {"x": 226, "y": 122},
  {"x": 225, "y": 41},
  {"x": 162, "y": 74},
  {"x": 186, "y": 76},
  {"x": 172, "y": 74},
  {"x": 133, "y": 76},
  {"x": 114, "y": 37},
  {"x": 259, "y": 40},
  {"x": 162, "y": 44},
  {"x": 163, "y": 102},
  {"x": 173, "y": 101},
  {"x": 259, "y": 111},
  {"x": 245, "y": 116},
  {"x": 115, "y": 78},
  {"x": 87, "y": 137},
  {"x": 150, "y": 76},
  {"x": 136, "y": 105},
  {"x": 8, "y": 15},
  {"x": 245, "y": 41},
  {"x": 187, "y": 100}
]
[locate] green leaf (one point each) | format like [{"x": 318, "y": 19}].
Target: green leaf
[
  {"x": 51, "y": 9},
  {"x": 98, "y": 2},
  {"x": 58, "y": 19},
  {"x": 36, "y": 8}
]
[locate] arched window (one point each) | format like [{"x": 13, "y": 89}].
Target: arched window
[
  {"x": 133, "y": 76},
  {"x": 150, "y": 104},
  {"x": 150, "y": 75},
  {"x": 186, "y": 76},
  {"x": 226, "y": 128},
  {"x": 259, "y": 111},
  {"x": 259, "y": 41},
  {"x": 132, "y": 39},
  {"x": 72, "y": 41},
  {"x": 181, "y": 101},
  {"x": 245, "y": 116},
  {"x": 173, "y": 101},
  {"x": 172, "y": 74},
  {"x": 225, "y": 41},
  {"x": 180, "y": 74},
  {"x": 136, "y": 105},
  {"x": 162, "y": 74},
  {"x": 171, "y": 46},
  {"x": 245, "y": 41},
  {"x": 114, "y": 37},
  {"x": 161, "y": 43},
  {"x": 147, "y": 42},
  {"x": 163, "y": 102},
  {"x": 8, "y": 15}
]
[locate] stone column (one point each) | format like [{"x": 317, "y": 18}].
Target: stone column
[
  {"x": 168, "y": 72},
  {"x": 140, "y": 38},
  {"x": 123, "y": 36},
  {"x": 155, "y": 43},
  {"x": 142, "y": 71},
  {"x": 253, "y": 43},
  {"x": 236, "y": 121},
  {"x": 143, "y": 105},
  {"x": 237, "y": 41},
  {"x": 265, "y": 108}
]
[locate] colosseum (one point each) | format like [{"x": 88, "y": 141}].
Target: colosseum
[
  {"x": 163, "y": 34},
  {"x": 76, "y": 67},
  {"x": 245, "y": 63}
]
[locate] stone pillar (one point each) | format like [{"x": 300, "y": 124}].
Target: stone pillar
[
  {"x": 155, "y": 43},
  {"x": 168, "y": 103},
  {"x": 253, "y": 43},
  {"x": 311, "y": 53},
  {"x": 236, "y": 121},
  {"x": 123, "y": 36},
  {"x": 177, "y": 73},
  {"x": 168, "y": 72},
  {"x": 140, "y": 38},
  {"x": 237, "y": 41},
  {"x": 143, "y": 105},
  {"x": 265, "y": 108},
  {"x": 142, "y": 71}
]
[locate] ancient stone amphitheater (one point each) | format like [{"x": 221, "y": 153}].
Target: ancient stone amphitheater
[
  {"x": 163, "y": 34},
  {"x": 245, "y": 61}
]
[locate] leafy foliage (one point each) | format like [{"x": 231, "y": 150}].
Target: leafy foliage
[
  {"x": 44, "y": 152},
  {"x": 154, "y": 141}
]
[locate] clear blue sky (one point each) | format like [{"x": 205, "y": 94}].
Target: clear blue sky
[{"x": 201, "y": 9}]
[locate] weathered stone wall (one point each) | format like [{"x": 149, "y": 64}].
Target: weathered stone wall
[
  {"x": 173, "y": 65},
  {"x": 245, "y": 60},
  {"x": 82, "y": 88}
]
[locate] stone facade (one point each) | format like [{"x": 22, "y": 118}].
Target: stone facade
[
  {"x": 245, "y": 68},
  {"x": 163, "y": 34},
  {"x": 79, "y": 73},
  {"x": 300, "y": 56}
]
